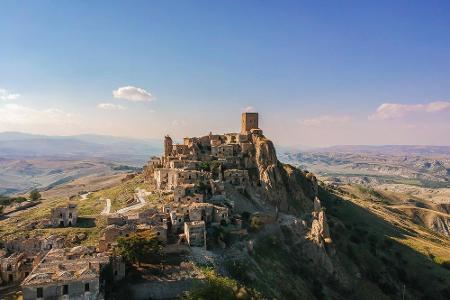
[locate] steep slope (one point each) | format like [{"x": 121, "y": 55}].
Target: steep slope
[
  {"x": 285, "y": 249},
  {"x": 363, "y": 251},
  {"x": 383, "y": 251},
  {"x": 283, "y": 186},
  {"x": 375, "y": 253}
]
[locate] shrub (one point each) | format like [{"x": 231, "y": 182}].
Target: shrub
[
  {"x": 139, "y": 247},
  {"x": 35, "y": 195},
  {"x": 317, "y": 289},
  {"x": 446, "y": 264},
  {"x": 355, "y": 239},
  {"x": 245, "y": 215},
  {"x": 205, "y": 166},
  {"x": 238, "y": 270},
  {"x": 446, "y": 293},
  {"x": 256, "y": 224},
  {"x": 220, "y": 287},
  {"x": 388, "y": 288}
]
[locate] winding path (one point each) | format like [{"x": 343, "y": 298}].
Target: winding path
[
  {"x": 140, "y": 194},
  {"x": 107, "y": 209}
]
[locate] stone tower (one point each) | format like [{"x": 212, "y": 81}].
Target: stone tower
[
  {"x": 249, "y": 122},
  {"x": 168, "y": 146}
]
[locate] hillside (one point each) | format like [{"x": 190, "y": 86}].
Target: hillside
[
  {"x": 283, "y": 227},
  {"x": 375, "y": 250},
  {"x": 375, "y": 254}
]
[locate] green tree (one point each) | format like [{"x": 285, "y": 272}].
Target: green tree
[
  {"x": 205, "y": 166},
  {"x": 1, "y": 209},
  {"x": 256, "y": 224},
  {"x": 139, "y": 247},
  {"x": 4, "y": 200},
  {"x": 220, "y": 287},
  {"x": 35, "y": 195}
]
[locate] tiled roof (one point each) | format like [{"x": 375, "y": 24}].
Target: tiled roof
[{"x": 66, "y": 265}]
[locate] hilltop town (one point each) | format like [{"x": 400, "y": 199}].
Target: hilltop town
[
  {"x": 220, "y": 201},
  {"x": 210, "y": 184}
]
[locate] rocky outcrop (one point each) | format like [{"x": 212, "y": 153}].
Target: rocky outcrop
[
  {"x": 441, "y": 225},
  {"x": 320, "y": 232},
  {"x": 283, "y": 186},
  {"x": 295, "y": 192}
]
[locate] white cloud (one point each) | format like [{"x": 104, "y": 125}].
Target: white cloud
[
  {"x": 14, "y": 114},
  {"x": 249, "y": 109},
  {"x": 110, "y": 106},
  {"x": 7, "y": 96},
  {"x": 132, "y": 93},
  {"x": 325, "y": 120},
  {"x": 437, "y": 106},
  {"x": 394, "y": 110}
]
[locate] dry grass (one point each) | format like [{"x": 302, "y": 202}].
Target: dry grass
[
  {"x": 89, "y": 220},
  {"x": 121, "y": 194},
  {"x": 418, "y": 237}
]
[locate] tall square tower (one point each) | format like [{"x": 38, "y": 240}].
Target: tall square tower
[{"x": 249, "y": 122}]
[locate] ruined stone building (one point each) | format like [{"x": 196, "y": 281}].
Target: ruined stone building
[
  {"x": 195, "y": 233},
  {"x": 208, "y": 212},
  {"x": 64, "y": 216},
  {"x": 67, "y": 274},
  {"x": 30, "y": 246},
  {"x": 196, "y": 197},
  {"x": 223, "y": 151},
  {"x": 249, "y": 122},
  {"x": 14, "y": 268},
  {"x": 177, "y": 177},
  {"x": 110, "y": 235},
  {"x": 177, "y": 221},
  {"x": 236, "y": 177},
  {"x": 25, "y": 244}
]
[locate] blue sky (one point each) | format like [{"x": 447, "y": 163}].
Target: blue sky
[{"x": 319, "y": 72}]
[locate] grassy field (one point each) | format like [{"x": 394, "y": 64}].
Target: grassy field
[
  {"x": 121, "y": 194},
  {"x": 90, "y": 222},
  {"x": 419, "y": 238},
  {"x": 390, "y": 250}
]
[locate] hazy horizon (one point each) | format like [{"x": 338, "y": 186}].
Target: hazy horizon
[{"x": 180, "y": 140}]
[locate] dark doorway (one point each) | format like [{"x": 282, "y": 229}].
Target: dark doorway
[{"x": 65, "y": 289}]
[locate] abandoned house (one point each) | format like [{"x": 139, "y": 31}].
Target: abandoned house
[{"x": 64, "y": 216}]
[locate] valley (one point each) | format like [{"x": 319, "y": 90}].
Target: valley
[
  {"x": 374, "y": 165},
  {"x": 45, "y": 162}
]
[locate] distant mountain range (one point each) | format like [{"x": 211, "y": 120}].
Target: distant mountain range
[
  {"x": 38, "y": 161},
  {"x": 23, "y": 145},
  {"x": 410, "y": 150}
]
